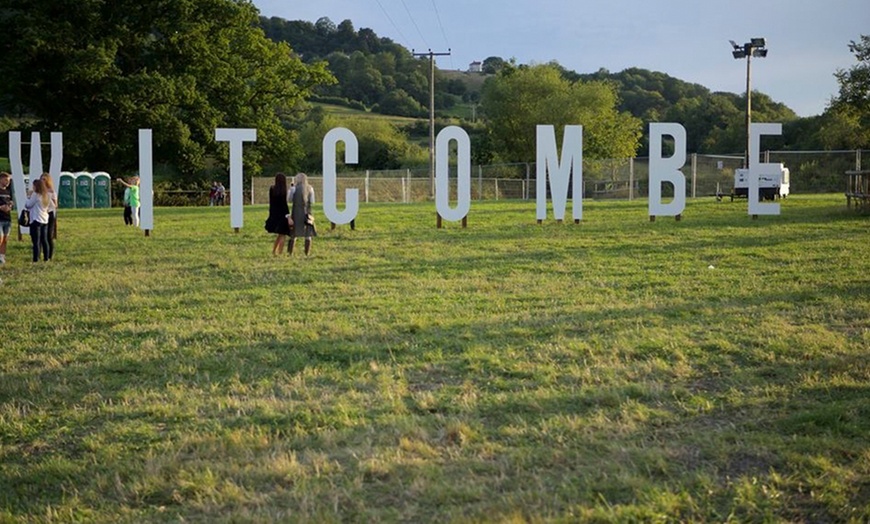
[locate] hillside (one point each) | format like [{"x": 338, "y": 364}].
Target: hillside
[{"x": 379, "y": 76}]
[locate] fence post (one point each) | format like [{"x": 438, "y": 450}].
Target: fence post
[
  {"x": 528, "y": 181},
  {"x": 857, "y": 160},
  {"x": 367, "y": 186},
  {"x": 252, "y": 191},
  {"x": 694, "y": 174},
  {"x": 496, "y": 189},
  {"x": 631, "y": 179},
  {"x": 479, "y": 182}
]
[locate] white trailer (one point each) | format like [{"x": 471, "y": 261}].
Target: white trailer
[{"x": 770, "y": 187}]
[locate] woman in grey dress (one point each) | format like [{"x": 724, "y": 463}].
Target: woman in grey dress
[{"x": 302, "y": 198}]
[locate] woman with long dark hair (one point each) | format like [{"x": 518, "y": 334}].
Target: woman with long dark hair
[{"x": 279, "y": 211}]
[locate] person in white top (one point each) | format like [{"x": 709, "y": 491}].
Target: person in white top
[
  {"x": 52, "y": 212},
  {"x": 37, "y": 203}
]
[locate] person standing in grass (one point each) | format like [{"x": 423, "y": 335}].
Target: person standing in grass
[
  {"x": 51, "y": 231},
  {"x": 37, "y": 203},
  {"x": 128, "y": 211},
  {"x": 220, "y": 194},
  {"x": 301, "y": 219},
  {"x": 6, "y": 205},
  {"x": 133, "y": 186},
  {"x": 279, "y": 211}
]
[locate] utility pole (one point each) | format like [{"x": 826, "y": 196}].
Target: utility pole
[{"x": 431, "y": 56}]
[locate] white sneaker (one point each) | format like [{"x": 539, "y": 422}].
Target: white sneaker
[{"x": 2, "y": 259}]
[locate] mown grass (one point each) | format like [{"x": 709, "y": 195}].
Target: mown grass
[{"x": 503, "y": 372}]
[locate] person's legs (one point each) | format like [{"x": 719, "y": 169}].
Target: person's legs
[
  {"x": 43, "y": 241},
  {"x": 291, "y": 245},
  {"x": 136, "y": 216},
  {"x": 49, "y": 237},
  {"x": 5, "y": 227},
  {"x": 37, "y": 230},
  {"x": 307, "y": 246}
]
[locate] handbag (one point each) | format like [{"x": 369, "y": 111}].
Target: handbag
[
  {"x": 24, "y": 218},
  {"x": 309, "y": 219}
]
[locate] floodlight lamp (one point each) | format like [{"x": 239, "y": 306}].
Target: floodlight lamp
[
  {"x": 738, "y": 53},
  {"x": 760, "y": 53},
  {"x": 758, "y": 42},
  {"x": 734, "y": 44}
]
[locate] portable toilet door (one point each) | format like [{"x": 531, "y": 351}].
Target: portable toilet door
[
  {"x": 66, "y": 190},
  {"x": 784, "y": 183},
  {"x": 102, "y": 189},
  {"x": 84, "y": 190}
]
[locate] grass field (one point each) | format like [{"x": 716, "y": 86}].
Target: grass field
[{"x": 709, "y": 370}]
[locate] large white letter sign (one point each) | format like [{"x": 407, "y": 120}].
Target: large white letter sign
[
  {"x": 666, "y": 169},
  {"x": 442, "y": 173},
  {"x": 330, "y": 184},
  {"x": 146, "y": 181},
  {"x": 560, "y": 171},
  {"x": 236, "y": 137},
  {"x": 36, "y": 171},
  {"x": 758, "y": 169}
]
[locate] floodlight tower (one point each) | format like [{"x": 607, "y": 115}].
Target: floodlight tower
[{"x": 755, "y": 47}]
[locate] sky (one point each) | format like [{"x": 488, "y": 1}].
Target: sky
[{"x": 807, "y": 40}]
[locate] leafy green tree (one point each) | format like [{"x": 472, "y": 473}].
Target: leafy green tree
[
  {"x": 847, "y": 121},
  {"x": 381, "y": 144},
  {"x": 493, "y": 65},
  {"x": 99, "y": 71},
  {"x": 399, "y": 103},
  {"x": 518, "y": 99}
]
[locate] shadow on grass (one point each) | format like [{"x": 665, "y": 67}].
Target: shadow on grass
[{"x": 537, "y": 431}]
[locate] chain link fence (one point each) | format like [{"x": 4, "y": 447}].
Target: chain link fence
[{"x": 706, "y": 175}]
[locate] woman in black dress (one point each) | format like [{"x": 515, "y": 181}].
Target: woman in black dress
[
  {"x": 302, "y": 196},
  {"x": 279, "y": 212}
]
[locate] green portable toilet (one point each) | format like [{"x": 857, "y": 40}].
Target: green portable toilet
[
  {"x": 84, "y": 190},
  {"x": 102, "y": 189},
  {"x": 66, "y": 190}
]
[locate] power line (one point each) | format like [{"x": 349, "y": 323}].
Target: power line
[
  {"x": 441, "y": 27},
  {"x": 423, "y": 38},
  {"x": 402, "y": 36}
]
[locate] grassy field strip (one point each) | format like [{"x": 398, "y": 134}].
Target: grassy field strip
[{"x": 712, "y": 369}]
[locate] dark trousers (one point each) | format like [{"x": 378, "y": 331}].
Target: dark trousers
[
  {"x": 39, "y": 237},
  {"x": 128, "y": 215},
  {"x": 51, "y": 233}
]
